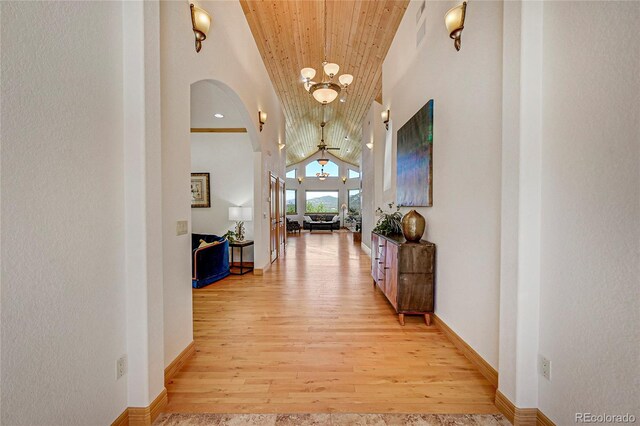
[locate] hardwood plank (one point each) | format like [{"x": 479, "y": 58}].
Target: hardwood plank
[{"x": 312, "y": 335}]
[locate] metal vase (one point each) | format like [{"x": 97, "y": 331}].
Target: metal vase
[{"x": 413, "y": 225}]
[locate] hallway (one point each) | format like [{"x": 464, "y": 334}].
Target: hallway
[{"x": 313, "y": 335}]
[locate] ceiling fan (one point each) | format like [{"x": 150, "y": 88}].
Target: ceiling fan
[{"x": 323, "y": 146}]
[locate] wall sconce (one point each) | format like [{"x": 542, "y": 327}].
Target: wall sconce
[
  {"x": 262, "y": 118},
  {"x": 385, "y": 118},
  {"x": 281, "y": 146},
  {"x": 344, "y": 180},
  {"x": 299, "y": 180},
  {"x": 454, "y": 20},
  {"x": 370, "y": 145},
  {"x": 200, "y": 21}
]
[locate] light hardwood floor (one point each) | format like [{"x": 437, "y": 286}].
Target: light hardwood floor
[{"x": 313, "y": 335}]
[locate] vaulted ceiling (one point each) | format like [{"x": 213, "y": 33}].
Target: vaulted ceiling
[{"x": 290, "y": 36}]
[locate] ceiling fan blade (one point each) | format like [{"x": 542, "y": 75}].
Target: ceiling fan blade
[{"x": 331, "y": 148}]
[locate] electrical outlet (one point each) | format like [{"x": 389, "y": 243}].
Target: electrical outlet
[
  {"x": 182, "y": 227},
  {"x": 545, "y": 368},
  {"x": 121, "y": 366}
]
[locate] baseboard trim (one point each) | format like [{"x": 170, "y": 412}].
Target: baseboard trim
[
  {"x": 483, "y": 366},
  {"x": 521, "y": 416},
  {"x": 177, "y": 363},
  {"x": 505, "y": 406},
  {"x": 261, "y": 271},
  {"x": 123, "y": 419},
  {"x": 143, "y": 416},
  {"x": 542, "y": 420},
  {"x": 365, "y": 249}
]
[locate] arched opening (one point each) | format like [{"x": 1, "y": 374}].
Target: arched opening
[{"x": 223, "y": 145}]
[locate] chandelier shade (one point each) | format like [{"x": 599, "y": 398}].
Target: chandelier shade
[
  {"x": 323, "y": 161},
  {"x": 345, "y": 79},
  {"x": 325, "y": 93},
  {"x": 331, "y": 69},
  {"x": 307, "y": 73}
]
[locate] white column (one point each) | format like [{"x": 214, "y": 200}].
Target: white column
[{"x": 142, "y": 176}]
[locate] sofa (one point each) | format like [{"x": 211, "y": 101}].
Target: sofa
[
  {"x": 331, "y": 218},
  {"x": 210, "y": 262}
]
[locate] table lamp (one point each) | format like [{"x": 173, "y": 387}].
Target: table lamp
[{"x": 240, "y": 215}]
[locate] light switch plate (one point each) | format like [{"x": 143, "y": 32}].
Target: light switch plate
[{"x": 182, "y": 227}]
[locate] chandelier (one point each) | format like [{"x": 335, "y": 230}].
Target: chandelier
[
  {"x": 327, "y": 90},
  {"x": 322, "y": 175}
]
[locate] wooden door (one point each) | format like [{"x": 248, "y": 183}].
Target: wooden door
[
  {"x": 282, "y": 216},
  {"x": 273, "y": 217}
]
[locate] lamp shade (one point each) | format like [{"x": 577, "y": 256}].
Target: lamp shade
[
  {"x": 201, "y": 20},
  {"x": 454, "y": 18},
  {"x": 237, "y": 214},
  {"x": 323, "y": 161}
]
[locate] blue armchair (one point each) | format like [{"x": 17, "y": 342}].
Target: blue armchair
[{"x": 211, "y": 263}]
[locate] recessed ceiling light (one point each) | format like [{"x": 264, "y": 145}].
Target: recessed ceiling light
[
  {"x": 218, "y": 115},
  {"x": 346, "y": 137}
]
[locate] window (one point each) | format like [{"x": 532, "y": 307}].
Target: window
[
  {"x": 322, "y": 202},
  {"x": 292, "y": 201},
  {"x": 354, "y": 200},
  {"x": 314, "y": 167},
  {"x": 353, "y": 174},
  {"x": 291, "y": 174}
]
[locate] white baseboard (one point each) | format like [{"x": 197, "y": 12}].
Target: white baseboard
[{"x": 365, "y": 249}]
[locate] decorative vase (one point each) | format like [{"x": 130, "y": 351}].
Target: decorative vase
[{"x": 413, "y": 224}]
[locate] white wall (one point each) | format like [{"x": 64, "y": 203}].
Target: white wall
[
  {"x": 332, "y": 183},
  {"x": 590, "y": 230},
  {"x": 464, "y": 221},
  {"x": 63, "y": 239},
  {"x": 228, "y": 160},
  {"x": 229, "y": 56},
  {"x": 373, "y": 131}
]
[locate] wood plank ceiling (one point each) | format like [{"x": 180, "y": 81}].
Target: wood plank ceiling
[{"x": 289, "y": 35}]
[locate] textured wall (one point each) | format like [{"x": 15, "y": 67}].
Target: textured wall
[
  {"x": 590, "y": 257},
  {"x": 63, "y": 295}
]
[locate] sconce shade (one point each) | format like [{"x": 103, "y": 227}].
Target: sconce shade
[
  {"x": 200, "y": 21},
  {"x": 344, "y": 179},
  {"x": 370, "y": 145},
  {"x": 331, "y": 69},
  {"x": 325, "y": 93},
  {"x": 307, "y": 73},
  {"x": 385, "y": 118},
  {"x": 240, "y": 214},
  {"x": 299, "y": 181},
  {"x": 454, "y": 20},
  {"x": 345, "y": 79}
]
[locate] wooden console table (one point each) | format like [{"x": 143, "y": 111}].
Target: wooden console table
[{"x": 404, "y": 272}]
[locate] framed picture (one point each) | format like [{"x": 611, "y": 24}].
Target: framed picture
[
  {"x": 415, "y": 160},
  {"x": 200, "y": 190}
]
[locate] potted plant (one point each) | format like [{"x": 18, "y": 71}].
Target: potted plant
[{"x": 389, "y": 223}]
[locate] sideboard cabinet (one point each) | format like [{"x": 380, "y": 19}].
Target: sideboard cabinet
[{"x": 404, "y": 272}]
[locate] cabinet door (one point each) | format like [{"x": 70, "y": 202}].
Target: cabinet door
[
  {"x": 391, "y": 274},
  {"x": 374, "y": 256}
]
